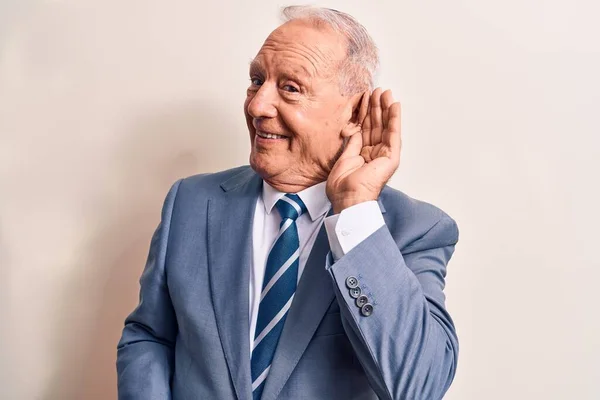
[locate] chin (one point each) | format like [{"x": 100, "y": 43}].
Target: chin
[{"x": 264, "y": 166}]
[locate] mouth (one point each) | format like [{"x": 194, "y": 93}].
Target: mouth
[{"x": 269, "y": 136}]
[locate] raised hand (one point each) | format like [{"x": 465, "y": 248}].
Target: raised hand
[{"x": 372, "y": 153}]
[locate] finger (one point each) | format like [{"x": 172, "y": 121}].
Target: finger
[
  {"x": 393, "y": 137},
  {"x": 365, "y": 153},
  {"x": 353, "y": 146},
  {"x": 376, "y": 124},
  {"x": 386, "y": 101},
  {"x": 364, "y": 107},
  {"x": 366, "y": 125}
]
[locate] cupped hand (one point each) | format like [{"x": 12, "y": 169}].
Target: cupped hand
[{"x": 372, "y": 153}]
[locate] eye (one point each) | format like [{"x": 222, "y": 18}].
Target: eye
[
  {"x": 256, "y": 81},
  {"x": 290, "y": 88}
]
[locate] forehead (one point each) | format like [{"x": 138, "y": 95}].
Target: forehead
[{"x": 302, "y": 47}]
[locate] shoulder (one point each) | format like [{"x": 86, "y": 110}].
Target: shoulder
[
  {"x": 412, "y": 219},
  {"x": 211, "y": 183},
  {"x": 193, "y": 191}
]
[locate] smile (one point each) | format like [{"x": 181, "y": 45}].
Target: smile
[{"x": 265, "y": 135}]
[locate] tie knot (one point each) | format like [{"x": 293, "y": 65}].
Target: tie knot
[{"x": 290, "y": 207}]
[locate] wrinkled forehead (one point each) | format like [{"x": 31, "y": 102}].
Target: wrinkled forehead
[{"x": 302, "y": 45}]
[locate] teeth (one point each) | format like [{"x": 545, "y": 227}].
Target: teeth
[{"x": 269, "y": 135}]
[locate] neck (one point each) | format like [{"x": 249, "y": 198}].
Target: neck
[
  {"x": 295, "y": 185},
  {"x": 289, "y": 187},
  {"x": 294, "y": 179}
]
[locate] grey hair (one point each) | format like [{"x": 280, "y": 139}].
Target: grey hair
[{"x": 357, "y": 71}]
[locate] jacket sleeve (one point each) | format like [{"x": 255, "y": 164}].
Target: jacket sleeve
[
  {"x": 408, "y": 345},
  {"x": 145, "y": 352}
]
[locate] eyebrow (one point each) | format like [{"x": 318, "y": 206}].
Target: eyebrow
[
  {"x": 255, "y": 64},
  {"x": 293, "y": 75}
]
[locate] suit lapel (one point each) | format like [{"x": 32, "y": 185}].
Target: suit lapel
[{"x": 230, "y": 217}]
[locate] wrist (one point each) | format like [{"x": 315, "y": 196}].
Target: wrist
[{"x": 340, "y": 205}]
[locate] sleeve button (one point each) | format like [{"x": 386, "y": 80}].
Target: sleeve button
[
  {"x": 366, "y": 309},
  {"x": 355, "y": 292},
  {"x": 362, "y": 300},
  {"x": 351, "y": 282}
]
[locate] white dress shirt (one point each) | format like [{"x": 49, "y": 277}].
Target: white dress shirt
[{"x": 344, "y": 231}]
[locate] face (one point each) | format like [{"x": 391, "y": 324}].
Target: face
[{"x": 294, "y": 107}]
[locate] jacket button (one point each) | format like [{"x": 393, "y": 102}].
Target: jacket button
[
  {"x": 366, "y": 309},
  {"x": 362, "y": 300},
  {"x": 355, "y": 292},
  {"x": 351, "y": 282}
]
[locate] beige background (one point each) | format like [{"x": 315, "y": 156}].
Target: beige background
[{"x": 103, "y": 104}]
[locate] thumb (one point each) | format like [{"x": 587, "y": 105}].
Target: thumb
[{"x": 353, "y": 146}]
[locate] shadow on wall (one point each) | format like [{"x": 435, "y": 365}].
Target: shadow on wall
[{"x": 155, "y": 152}]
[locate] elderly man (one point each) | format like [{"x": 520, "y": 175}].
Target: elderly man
[{"x": 301, "y": 276}]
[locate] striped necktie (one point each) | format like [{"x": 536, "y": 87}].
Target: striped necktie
[{"x": 279, "y": 286}]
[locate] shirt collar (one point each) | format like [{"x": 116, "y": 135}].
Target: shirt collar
[{"x": 314, "y": 197}]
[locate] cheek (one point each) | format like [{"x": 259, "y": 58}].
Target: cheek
[
  {"x": 247, "y": 101},
  {"x": 318, "y": 141},
  {"x": 247, "y": 116},
  {"x": 316, "y": 130}
]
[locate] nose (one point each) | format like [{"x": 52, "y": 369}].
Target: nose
[{"x": 263, "y": 102}]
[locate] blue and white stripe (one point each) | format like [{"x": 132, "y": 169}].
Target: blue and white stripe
[{"x": 279, "y": 286}]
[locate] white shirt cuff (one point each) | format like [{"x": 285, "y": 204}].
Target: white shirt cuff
[{"x": 353, "y": 225}]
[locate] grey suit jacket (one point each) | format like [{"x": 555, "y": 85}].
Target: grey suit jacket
[{"x": 189, "y": 336}]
